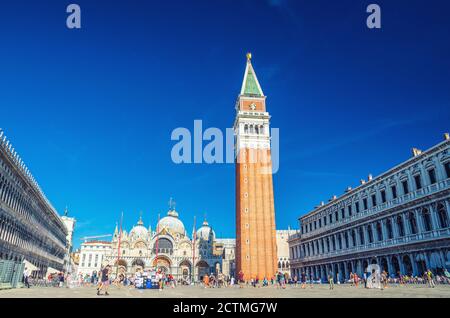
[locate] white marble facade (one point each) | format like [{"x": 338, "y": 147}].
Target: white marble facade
[{"x": 168, "y": 247}]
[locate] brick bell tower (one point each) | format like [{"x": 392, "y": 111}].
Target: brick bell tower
[{"x": 256, "y": 250}]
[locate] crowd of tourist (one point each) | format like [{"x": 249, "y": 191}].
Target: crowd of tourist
[{"x": 158, "y": 279}]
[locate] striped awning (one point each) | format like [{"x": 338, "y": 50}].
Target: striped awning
[{"x": 30, "y": 266}]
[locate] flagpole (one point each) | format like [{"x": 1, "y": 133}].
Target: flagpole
[
  {"x": 193, "y": 254},
  {"x": 118, "y": 246},
  {"x": 156, "y": 244}
]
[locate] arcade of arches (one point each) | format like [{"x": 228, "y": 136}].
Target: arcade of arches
[{"x": 414, "y": 263}]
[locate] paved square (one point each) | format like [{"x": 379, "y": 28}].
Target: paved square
[{"x": 410, "y": 291}]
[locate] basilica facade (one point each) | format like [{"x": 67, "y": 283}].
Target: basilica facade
[
  {"x": 399, "y": 220},
  {"x": 168, "y": 247}
]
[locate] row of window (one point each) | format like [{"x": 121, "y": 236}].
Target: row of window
[
  {"x": 283, "y": 265},
  {"x": 386, "y": 229},
  {"x": 375, "y": 199},
  {"x": 12, "y": 195},
  {"x": 94, "y": 246},
  {"x": 254, "y": 129},
  {"x": 14, "y": 234}
]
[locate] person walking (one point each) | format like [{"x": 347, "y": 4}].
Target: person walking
[
  {"x": 160, "y": 278},
  {"x": 331, "y": 280},
  {"x": 365, "y": 279},
  {"x": 383, "y": 280},
  {"x": 241, "y": 279},
  {"x": 430, "y": 279},
  {"x": 303, "y": 278},
  {"x": 104, "y": 281},
  {"x": 26, "y": 276},
  {"x": 206, "y": 281},
  {"x": 61, "y": 279}
]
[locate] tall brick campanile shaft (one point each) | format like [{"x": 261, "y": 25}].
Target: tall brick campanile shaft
[{"x": 256, "y": 250}]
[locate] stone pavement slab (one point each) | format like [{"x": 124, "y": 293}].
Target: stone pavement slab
[{"x": 320, "y": 291}]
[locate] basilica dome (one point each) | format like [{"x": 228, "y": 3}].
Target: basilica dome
[
  {"x": 172, "y": 224},
  {"x": 206, "y": 233},
  {"x": 139, "y": 231}
]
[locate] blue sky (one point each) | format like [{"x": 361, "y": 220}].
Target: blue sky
[{"x": 91, "y": 111}]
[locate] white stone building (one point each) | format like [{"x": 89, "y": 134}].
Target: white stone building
[
  {"x": 398, "y": 220},
  {"x": 283, "y": 250},
  {"x": 69, "y": 222},
  {"x": 31, "y": 230},
  {"x": 92, "y": 256}
]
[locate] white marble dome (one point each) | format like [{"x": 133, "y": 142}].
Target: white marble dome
[
  {"x": 206, "y": 232},
  {"x": 172, "y": 224},
  {"x": 139, "y": 231}
]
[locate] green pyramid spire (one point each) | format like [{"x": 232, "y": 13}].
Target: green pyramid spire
[{"x": 250, "y": 86}]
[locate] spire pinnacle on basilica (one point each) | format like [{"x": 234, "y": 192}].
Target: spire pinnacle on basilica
[
  {"x": 250, "y": 84},
  {"x": 116, "y": 230},
  {"x": 172, "y": 204},
  {"x": 205, "y": 222},
  {"x": 140, "y": 222}
]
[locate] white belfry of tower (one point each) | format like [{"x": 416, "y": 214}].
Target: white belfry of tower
[{"x": 252, "y": 123}]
